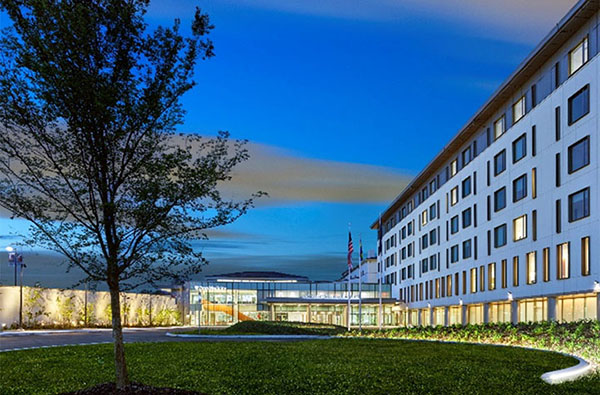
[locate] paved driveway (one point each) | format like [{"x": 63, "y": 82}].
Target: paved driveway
[{"x": 93, "y": 336}]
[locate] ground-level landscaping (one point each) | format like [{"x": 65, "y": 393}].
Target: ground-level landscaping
[{"x": 360, "y": 366}]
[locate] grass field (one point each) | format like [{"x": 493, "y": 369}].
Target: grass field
[{"x": 338, "y": 366}]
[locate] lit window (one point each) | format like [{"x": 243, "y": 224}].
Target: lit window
[
  {"x": 531, "y": 267},
  {"x": 473, "y": 280},
  {"x": 518, "y": 109},
  {"x": 504, "y": 273},
  {"x": 579, "y": 205},
  {"x": 520, "y": 228},
  {"x": 453, "y": 168},
  {"x": 454, "y": 196},
  {"x": 579, "y": 105},
  {"x": 499, "y": 127},
  {"x": 546, "y": 263},
  {"x": 424, "y": 218},
  {"x": 491, "y": 276},
  {"x": 515, "y": 271},
  {"x": 585, "y": 256},
  {"x": 500, "y": 162},
  {"x": 562, "y": 261},
  {"x": 578, "y": 56},
  {"x": 579, "y": 154}
]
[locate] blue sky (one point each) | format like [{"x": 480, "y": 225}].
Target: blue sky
[{"x": 342, "y": 102}]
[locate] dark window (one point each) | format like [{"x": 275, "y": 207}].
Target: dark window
[
  {"x": 425, "y": 241},
  {"x": 454, "y": 224},
  {"x": 433, "y": 237},
  {"x": 466, "y": 156},
  {"x": 432, "y": 212},
  {"x": 533, "y": 95},
  {"x": 499, "y": 199},
  {"x": 519, "y": 148},
  {"x": 557, "y": 123},
  {"x": 500, "y": 236},
  {"x": 579, "y": 205},
  {"x": 466, "y": 218},
  {"x": 557, "y": 170},
  {"x": 488, "y": 173},
  {"x": 558, "y": 216},
  {"x": 579, "y": 154},
  {"x": 466, "y": 249},
  {"x": 579, "y": 105},
  {"x": 520, "y": 188},
  {"x": 454, "y": 254},
  {"x": 466, "y": 187},
  {"x": 499, "y": 162},
  {"x": 533, "y": 140}
]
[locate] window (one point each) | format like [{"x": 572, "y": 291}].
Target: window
[
  {"x": 533, "y": 95},
  {"x": 578, "y": 56},
  {"x": 453, "y": 167},
  {"x": 519, "y": 148},
  {"x": 500, "y": 236},
  {"x": 520, "y": 228},
  {"x": 403, "y": 232},
  {"x": 546, "y": 263},
  {"x": 515, "y": 271},
  {"x": 454, "y": 196},
  {"x": 579, "y": 205},
  {"x": 433, "y": 237},
  {"x": 466, "y": 187},
  {"x": 499, "y": 199},
  {"x": 466, "y": 249},
  {"x": 500, "y": 162},
  {"x": 410, "y": 250},
  {"x": 585, "y": 256},
  {"x": 466, "y": 156},
  {"x": 433, "y": 262},
  {"x": 424, "y": 218},
  {"x": 518, "y": 110},
  {"x": 432, "y": 186},
  {"x": 531, "y": 267},
  {"x": 454, "y": 254},
  {"x": 424, "y": 194},
  {"x": 424, "y": 241},
  {"x": 424, "y": 266},
  {"x": 473, "y": 280},
  {"x": 504, "y": 273},
  {"x": 579, "y": 105},
  {"x": 432, "y": 211},
  {"x": 534, "y": 183},
  {"x": 403, "y": 253},
  {"x": 520, "y": 188},
  {"x": 491, "y": 276},
  {"x": 562, "y": 261},
  {"x": 466, "y": 218},
  {"x": 454, "y": 224},
  {"x": 499, "y": 127},
  {"x": 409, "y": 226},
  {"x": 579, "y": 154}
]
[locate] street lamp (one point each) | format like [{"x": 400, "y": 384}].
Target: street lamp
[{"x": 16, "y": 259}]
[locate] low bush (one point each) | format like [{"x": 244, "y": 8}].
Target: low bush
[
  {"x": 273, "y": 328},
  {"x": 580, "y": 338}
]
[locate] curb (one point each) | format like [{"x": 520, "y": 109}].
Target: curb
[
  {"x": 249, "y": 337},
  {"x": 572, "y": 373},
  {"x": 87, "y": 330}
]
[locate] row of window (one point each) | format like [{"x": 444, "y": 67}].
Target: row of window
[
  {"x": 578, "y": 107},
  {"x": 486, "y": 277}
]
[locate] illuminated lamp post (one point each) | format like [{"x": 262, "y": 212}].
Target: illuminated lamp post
[{"x": 16, "y": 259}]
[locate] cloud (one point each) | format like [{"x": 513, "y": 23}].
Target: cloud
[
  {"x": 524, "y": 21},
  {"x": 289, "y": 177}
]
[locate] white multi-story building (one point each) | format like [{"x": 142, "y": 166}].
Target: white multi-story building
[{"x": 504, "y": 223}]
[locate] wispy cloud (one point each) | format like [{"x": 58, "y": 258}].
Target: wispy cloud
[
  {"x": 524, "y": 21},
  {"x": 286, "y": 176}
]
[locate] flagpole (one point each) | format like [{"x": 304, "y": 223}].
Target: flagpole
[
  {"x": 349, "y": 273},
  {"x": 360, "y": 259},
  {"x": 380, "y": 269}
]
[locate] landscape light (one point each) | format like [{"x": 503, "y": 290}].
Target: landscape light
[
  {"x": 596, "y": 287},
  {"x": 9, "y": 249},
  {"x": 510, "y": 295}
]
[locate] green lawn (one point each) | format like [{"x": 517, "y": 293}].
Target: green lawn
[{"x": 338, "y": 366}]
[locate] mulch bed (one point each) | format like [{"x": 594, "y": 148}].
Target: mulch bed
[{"x": 132, "y": 389}]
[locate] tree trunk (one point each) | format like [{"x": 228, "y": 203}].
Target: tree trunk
[{"x": 117, "y": 332}]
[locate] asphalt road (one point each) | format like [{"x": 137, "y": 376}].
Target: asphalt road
[{"x": 94, "y": 336}]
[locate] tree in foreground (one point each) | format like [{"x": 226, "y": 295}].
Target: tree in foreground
[{"x": 89, "y": 100}]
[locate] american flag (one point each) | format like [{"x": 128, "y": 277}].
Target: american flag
[{"x": 350, "y": 251}]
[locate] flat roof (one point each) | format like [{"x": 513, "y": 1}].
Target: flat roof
[
  {"x": 564, "y": 29},
  {"x": 257, "y": 277}
]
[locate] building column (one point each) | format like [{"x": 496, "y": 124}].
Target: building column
[
  {"x": 486, "y": 313},
  {"x": 431, "y": 323},
  {"x": 309, "y": 314},
  {"x": 408, "y": 318},
  {"x": 463, "y": 314},
  {"x": 514, "y": 312},
  {"x": 419, "y": 318},
  {"x": 446, "y": 316},
  {"x": 272, "y": 313},
  {"x": 598, "y": 306},
  {"x": 552, "y": 308}
]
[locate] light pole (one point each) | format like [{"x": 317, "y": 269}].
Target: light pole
[{"x": 16, "y": 259}]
